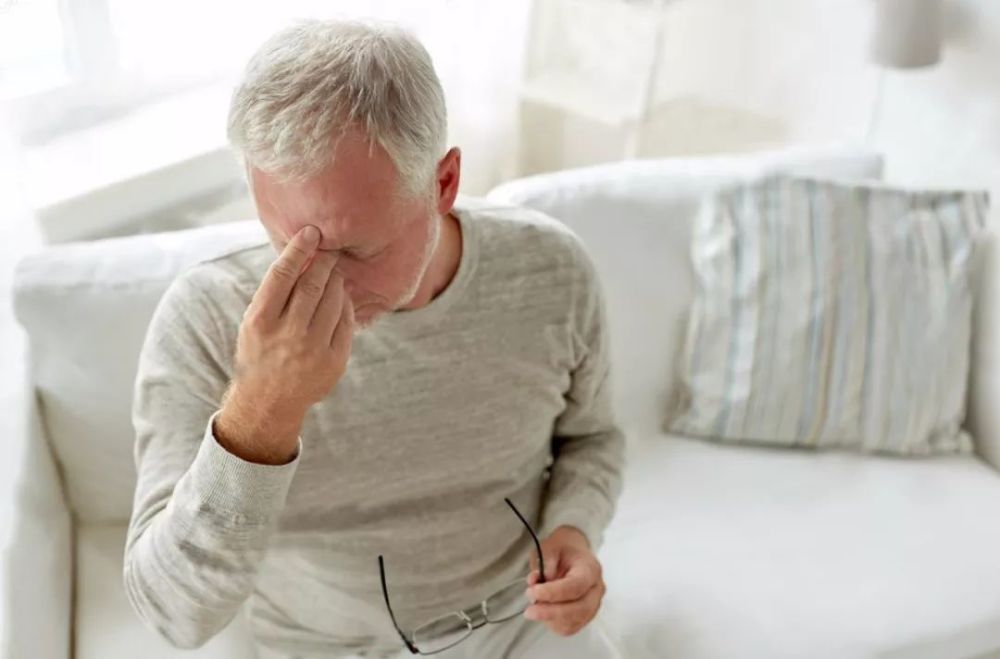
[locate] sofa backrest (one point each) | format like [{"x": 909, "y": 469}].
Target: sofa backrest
[
  {"x": 86, "y": 307},
  {"x": 636, "y": 219}
]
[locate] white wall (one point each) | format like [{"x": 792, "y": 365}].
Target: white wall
[
  {"x": 799, "y": 71},
  {"x": 944, "y": 123},
  {"x": 738, "y": 75}
]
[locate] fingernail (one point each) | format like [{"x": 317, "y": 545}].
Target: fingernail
[
  {"x": 311, "y": 234},
  {"x": 530, "y": 614}
]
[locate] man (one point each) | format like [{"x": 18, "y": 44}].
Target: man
[{"x": 365, "y": 394}]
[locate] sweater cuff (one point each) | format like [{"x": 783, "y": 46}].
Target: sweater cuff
[
  {"x": 586, "y": 521},
  {"x": 226, "y": 484}
]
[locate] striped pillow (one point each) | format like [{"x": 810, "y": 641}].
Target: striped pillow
[{"x": 833, "y": 315}]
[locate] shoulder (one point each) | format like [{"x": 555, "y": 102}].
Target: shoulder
[
  {"x": 536, "y": 263},
  {"x": 210, "y": 295},
  {"x": 238, "y": 270},
  {"x": 522, "y": 240}
]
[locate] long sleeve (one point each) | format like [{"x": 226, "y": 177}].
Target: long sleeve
[
  {"x": 202, "y": 517},
  {"x": 588, "y": 446}
]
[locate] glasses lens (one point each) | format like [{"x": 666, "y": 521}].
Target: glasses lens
[
  {"x": 509, "y": 602},
  {"x": 441, "y": 634}
]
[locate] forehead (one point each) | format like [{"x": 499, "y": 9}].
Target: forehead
[{"x": 352, "y": 201}]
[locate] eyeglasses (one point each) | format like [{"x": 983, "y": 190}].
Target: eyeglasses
[{"x": 449, "y": 630}]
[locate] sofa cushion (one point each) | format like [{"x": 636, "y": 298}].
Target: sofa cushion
[
  {"x": 85, "y": 308},
  {"x": 107, "y": 627},
  {"x": 832, "y": 314},
  {"x": 636, "y": 219},
  {"x": 720, "y": 551}
]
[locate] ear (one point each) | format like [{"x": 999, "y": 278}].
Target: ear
[{"x": 449, "y": 171}]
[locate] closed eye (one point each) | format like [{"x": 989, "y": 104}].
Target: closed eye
[{"x": 364, "y": 256}]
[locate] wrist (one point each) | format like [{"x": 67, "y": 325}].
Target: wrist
[
  {"x": 572, "y": 535},
  {"x": 256, "y": 430},
  {"x": 263, "y": 409}
]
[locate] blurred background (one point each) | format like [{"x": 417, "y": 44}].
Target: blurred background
[{"x": 112, "y": 112}]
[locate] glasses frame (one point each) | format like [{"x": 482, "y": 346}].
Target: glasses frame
[{"x": 409, "y": 642}]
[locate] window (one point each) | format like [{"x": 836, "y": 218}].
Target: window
[
  {"x": 68, "y": 64},
  {"x": 32, "y": 47}
]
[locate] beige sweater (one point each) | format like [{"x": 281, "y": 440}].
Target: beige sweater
[{"x": 442, "y": 413}]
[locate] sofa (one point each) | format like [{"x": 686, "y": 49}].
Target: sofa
[{"x": 715, "y": 551}]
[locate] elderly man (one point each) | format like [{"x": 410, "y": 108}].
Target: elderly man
[{"x": 359, "y": 429}]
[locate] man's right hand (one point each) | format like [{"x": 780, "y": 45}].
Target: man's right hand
[{"x": 293, "y": 347}]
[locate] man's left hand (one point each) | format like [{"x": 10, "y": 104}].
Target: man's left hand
[{"x": 574, "y": 584}]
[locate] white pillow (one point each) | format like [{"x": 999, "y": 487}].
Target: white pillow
[{"x": 831, "y": 314}]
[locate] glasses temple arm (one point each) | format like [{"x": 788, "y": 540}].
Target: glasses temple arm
[
  {"x": 385, "y": 594},
  {"x": 534, "y": 537}
]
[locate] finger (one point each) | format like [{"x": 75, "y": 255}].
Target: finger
[
  {"x": 274, "y": 290},
  {"x": 551, "y": 559},
  {"x": 305, "y": 266},
  {"x": 310, "y": 287},
  {"x": 567, "y": 618},
  {"x": 532, "y": 563},
  {"x": 344, "y": 332},
  {"x": 570, "y": 588},
  {"x": 329, "y": 308},
  {"x": 532, "y": 578}
]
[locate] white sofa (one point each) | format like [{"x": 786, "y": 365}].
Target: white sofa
[{"x": 715, "y": 551}]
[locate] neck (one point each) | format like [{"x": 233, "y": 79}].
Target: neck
[{"x": 443, "y": 265}]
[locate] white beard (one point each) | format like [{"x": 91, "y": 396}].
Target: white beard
[
  {"x": 432, "y": 244},
  {"x": 431, "y": 247}
]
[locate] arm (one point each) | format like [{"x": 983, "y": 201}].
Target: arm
[
  {"x": 212, "y": 482},
  {"x": 202, "y": 516},
  {"x": 588, "y": 446},
  {"x": 586, "y": 477}
]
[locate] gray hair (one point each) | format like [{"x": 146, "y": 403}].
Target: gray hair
[{"x": 309, "y": 83}]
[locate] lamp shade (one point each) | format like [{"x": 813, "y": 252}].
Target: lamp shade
[{"x": 907, "y": 33}]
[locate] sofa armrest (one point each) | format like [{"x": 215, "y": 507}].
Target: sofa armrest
[
  {"x": 983, "y": 420},
  {"x": 36, "y": 545}
]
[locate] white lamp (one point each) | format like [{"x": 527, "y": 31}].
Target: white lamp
[{"x": 907, "y": 33}]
